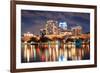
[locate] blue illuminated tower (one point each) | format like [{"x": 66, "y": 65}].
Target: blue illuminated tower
[{"x": 63, "y": 25}]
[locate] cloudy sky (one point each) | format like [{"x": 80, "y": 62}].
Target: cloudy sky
[{"x": 32, "y": 21}]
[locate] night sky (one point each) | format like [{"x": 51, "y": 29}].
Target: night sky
[{"x": 32, "y": 20}]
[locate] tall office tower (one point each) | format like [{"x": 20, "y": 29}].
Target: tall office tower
[
  {"x": 77, "y": 30},
  {"x": 63, "y": 25},
  {"x": 51, "y": 27}
]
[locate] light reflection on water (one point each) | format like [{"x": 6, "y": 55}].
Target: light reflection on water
[{"x": 53, "y": 52}]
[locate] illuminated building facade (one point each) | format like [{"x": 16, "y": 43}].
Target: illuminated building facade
[
  {"x": 27, "y": 36},
  {"x": 63, "y": 25},
  {"x": 77, "y": 30},
  {"x": 51, "y": 27}
]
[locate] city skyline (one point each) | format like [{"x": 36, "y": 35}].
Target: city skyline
[{"x": 33, "y": 21}]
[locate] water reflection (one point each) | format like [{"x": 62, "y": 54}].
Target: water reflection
[{"x": 55, "y": 50}]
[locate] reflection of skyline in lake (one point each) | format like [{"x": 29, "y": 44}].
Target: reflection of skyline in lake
[
  {"x": 52, "y": 51},
  {"x": 32, "y": 21}
]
